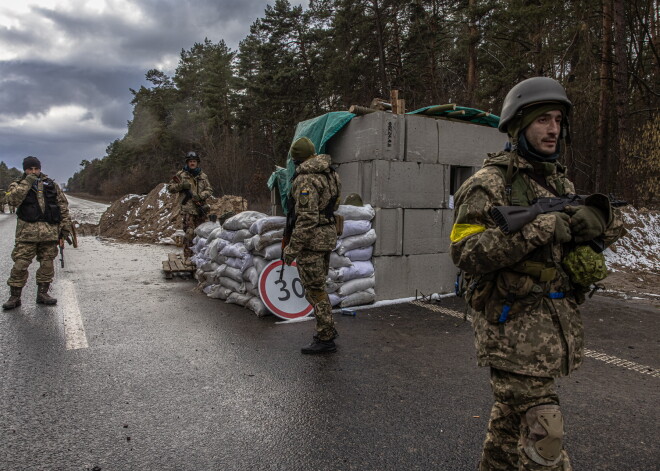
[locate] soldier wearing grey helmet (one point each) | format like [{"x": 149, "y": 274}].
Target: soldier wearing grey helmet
[{"x": 522, "y": 295}]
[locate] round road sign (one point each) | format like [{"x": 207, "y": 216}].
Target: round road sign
[{"x": 283, "y": 293}]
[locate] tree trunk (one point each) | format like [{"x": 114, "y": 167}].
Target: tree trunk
[
  {"x": 602, "y": 167},
  {"x": 620, "y": 83},
  {"x": 473, "y": 40}
]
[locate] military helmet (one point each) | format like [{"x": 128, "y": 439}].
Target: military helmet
[
  {"x": 192, "y": 156},
  {"x": 534, "y": 90},
  {"x": 302, "y": 148}
]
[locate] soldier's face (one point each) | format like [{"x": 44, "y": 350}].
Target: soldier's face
[
  {"x": 544, "y": 132},
  {"x": 192, "y": 164},
  {"x": 33, "y": 171}
]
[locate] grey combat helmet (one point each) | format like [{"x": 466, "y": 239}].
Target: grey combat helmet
[
  {"x": 531, "y": 91},
  {"x": 193, "y": 156}
]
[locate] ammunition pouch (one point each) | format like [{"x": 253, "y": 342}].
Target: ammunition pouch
[
  {"x": 479, "y": 291},
  {"x": 513, "y": 293},
  {"x": 584, "y": 266},
  {"x": 538, "y": 270}
]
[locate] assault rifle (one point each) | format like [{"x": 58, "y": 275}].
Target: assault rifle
[
  {"x": 512, "y": 218},
  {"x": 291, "y": 217},
  {"x": 71, "y": 239},
  {"x": 204, "y": 209}
]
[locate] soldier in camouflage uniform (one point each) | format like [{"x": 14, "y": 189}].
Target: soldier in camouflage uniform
[
  {"x": 316, "y": 190},
  {"x": 43, "y": 219},
  {"x": 3, "y": 200},
  {"x": 524, "y": 305},
  {"x": 194, "y": 188}
]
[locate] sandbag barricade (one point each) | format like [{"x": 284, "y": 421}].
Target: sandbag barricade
[{"x": 230, "y": 258}]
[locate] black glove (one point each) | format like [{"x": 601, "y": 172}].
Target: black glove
[
  {"x": 562, "y": 227},
  {"x": 587, "y": 223}
]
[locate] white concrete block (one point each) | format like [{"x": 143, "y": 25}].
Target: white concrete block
[
  {"x": 399, "y": 277},
  {"x": 389, "y": 229},
  {"x": 422, "y": 142},
  {"x": 467, "y": 144},
  {"x": 426, "y": 231},
  {"x": 373, "y": 136},
  {"x": 409, "y": 185}
]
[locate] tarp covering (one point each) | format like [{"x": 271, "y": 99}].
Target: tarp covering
[{"x": 471, "y": 115}]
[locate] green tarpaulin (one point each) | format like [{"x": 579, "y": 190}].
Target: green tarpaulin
[{"x": 461, "y": 113}]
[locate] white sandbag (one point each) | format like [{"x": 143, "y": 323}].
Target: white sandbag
[
  {"x": 205, "y": 228},
  {"x": 269, "y": 238},
  {"x": 219, "y": 292},
  {"x": 268, "y": 223},
  {"x": 255, "y": 304},
  {"x": 359, "y": 299},
  {"x": 360, "y": 255},
  {"x": 220, "y": 259},
  {"x": 199, "y": 245},
  {"x": 334, "y": 299},
  {"x": 356, "y": 213},
  {"x": 209, "y": 266},
  {"x": 333, "y": 274},
  {"x": 357, "y": 270},
  {"x": 251, "y": 242},
  {"x": 240, "y": 236},
  {"x": 243, "y": 220},
  {"x": 272, "y": 252},
  {"x": 232, "y": 285},
  {"x": 212, "y": 249},
  {"x": 358, "y": 284},
  {"x": 240, "y": 299},
  {"x": 332, "y": 286},
  {"x": 352, "y": 228},
  {"x": 214, "y": 234},
  {"x": 251, "y": 288},
  {"x": 234, "y": 250},
  {"x": 233, "y": 273},
  {"x": 356, "y": 242},
  {"x": 241, "y": 263},
  {"x": 260, "y": 263},
  {"x": 227, "y": 235},
  {"x": 338, "y": 261},
  {"x": 251, "y": 275}
]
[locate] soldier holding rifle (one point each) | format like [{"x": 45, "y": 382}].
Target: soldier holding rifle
[
  {"x": 43, "y": 219},
  {"x": 524, "y": 283},
  {"x": 194, "y": 188}
]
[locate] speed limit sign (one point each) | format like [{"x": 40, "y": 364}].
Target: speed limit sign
[{"x": 283, "y": 293}]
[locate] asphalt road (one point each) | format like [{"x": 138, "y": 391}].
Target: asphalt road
[{"x": 134, "y": 372}]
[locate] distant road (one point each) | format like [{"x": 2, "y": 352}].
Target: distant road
[{"x": 85, "y": 211}]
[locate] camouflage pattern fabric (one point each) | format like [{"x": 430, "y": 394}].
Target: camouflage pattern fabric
[
  {"x": 3, "y": 200},
  {"x": 313, "y": 270},
  {"x": 38, "y": 231},
  {"x": 313, "y": 188},
  {"x": 542, "y": 336},
  {"x": 24, "y": 253},
  {"x": 190, "y": 222},
  {"x": 514, "y": 396},
  {"x": 314, "y": 237},
  {"x": 199, "y": 185}
]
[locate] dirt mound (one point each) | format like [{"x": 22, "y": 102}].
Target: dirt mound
[{"x": 156, "y": 216}]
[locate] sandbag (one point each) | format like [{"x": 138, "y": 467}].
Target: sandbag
[
  {"x": 257, "y": 305},
  {"x": 238, "y": 298},
  {"x": 242, "y": 220},
  {"x": 356, "y": 242},
  {"x": 268, "y": 223},
  {"x": 231, "y": 284},
  {"x": 240, "y": 236},
  {"x": 241, "y": 263},
  {"x": 205, "y": 228},
  {"x": 357, "y": 270},
  {"x": 233, "y": 273},
  {"x": 227, "y": 235},
  {"x": 212, "y": 249},
  {"x": 332, "y": 286},
  {"x": 334, "y": 299},
  {"x": 360, "y": 255},
  {"x": 360, "y": 298},
  {"x": 209, "y": 266},
  {"x": 272, "y": 252},
  {"x": 338, "y": 261},
  {"x": 356, "y": 213},
  {"x": 251, "y": 275},
  {"x": 260, "y": 263},
  {"x": 251, "y": 242},
  {"x": 214, "y": 234},
  {"x": 352, "y": 228},
  {"x": 219, "y": 292},
  {"x": 269, "y": 238},
  {"x": 358, "y": 284},
  {"x": 234, "y": 250}
]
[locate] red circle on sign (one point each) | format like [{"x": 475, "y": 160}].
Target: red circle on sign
[{"x": 263, "y": 279}]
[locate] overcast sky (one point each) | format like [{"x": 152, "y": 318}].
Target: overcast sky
[{"x": 66, "y": 67}]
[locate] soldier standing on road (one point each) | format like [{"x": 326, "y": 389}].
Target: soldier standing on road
[
  {"x": 3, "y": 200},
  {"x": 43, "y": 219},
  {"x": 522, "y": 294},
  {"x": 316, "y": 191},
  {"x": 194, "y": 188}
]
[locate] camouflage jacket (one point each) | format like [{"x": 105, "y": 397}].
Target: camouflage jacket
[
  {"x": 3, "y": 197},
  {"x": 199, "y": 186},
  {"x": 543, "y": 336},
  {"x": 314, "y": 185},
  {"x": 39, "y": 231}
]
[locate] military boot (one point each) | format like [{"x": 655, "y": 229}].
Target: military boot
[
  {"x": 14, "y": 298},
  {"x": 319, "y": 346},
  {"x": 42, "y": 294}
]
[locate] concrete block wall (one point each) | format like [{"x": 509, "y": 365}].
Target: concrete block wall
[{"x": 402, "y": 165}]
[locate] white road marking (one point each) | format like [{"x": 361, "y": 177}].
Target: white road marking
[
  {"x": 74, "y": 330},
  {"x": 609, "y": 359}
]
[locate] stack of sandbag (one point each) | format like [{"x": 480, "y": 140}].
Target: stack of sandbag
[
  {"x": 351, "y": 278},
  {"x": 205, "y": 265}
]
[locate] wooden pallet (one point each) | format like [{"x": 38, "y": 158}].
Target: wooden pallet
[{"x": 174, "y": 266}]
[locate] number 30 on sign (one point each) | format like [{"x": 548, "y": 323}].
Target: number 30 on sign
[{"x": 283, "y": 295}]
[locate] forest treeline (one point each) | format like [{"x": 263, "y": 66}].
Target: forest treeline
[
  {"x": 239, "y": 108},
  {"x": 8, "y": 175}
]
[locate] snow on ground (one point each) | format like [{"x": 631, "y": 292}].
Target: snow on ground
[
  {"x": 639, "y": 250},
  {"x": 85, "y": 211}
]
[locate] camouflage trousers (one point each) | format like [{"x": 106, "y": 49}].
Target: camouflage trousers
[
  {"x": 313, "y": 270},
  {"x": 190, "y": 222},
  {"x": 514, "y": 395},
  {"x": 24, "y": 253}
]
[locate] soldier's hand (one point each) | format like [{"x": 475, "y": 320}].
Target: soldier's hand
[
  {"x": 562, "y": 227},
  {"x": 196, "y": 198},
  {"x": 185, "y": 185},
  {"x": 289, "y": 256},
  {"x": 587, "y": 222},
  {"x": 31, "y": 179}
]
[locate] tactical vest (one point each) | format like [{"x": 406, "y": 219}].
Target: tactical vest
[
  {"x": 30, "y": 211},
  {"x": 326, "y": 215}
]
